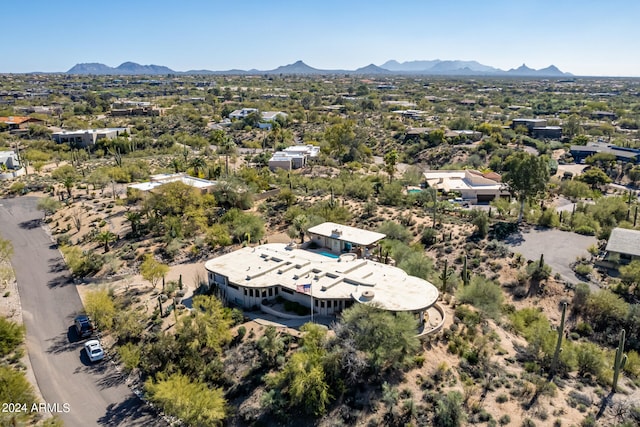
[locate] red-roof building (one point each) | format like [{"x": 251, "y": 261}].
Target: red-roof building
[{"x": 20, "y": 122}]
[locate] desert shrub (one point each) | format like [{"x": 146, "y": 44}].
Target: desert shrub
[
  {"x": 586, "y": 230},
  {"x": 549, "y": 218},
  {"x": 130, "y": 356},
  {"x": 483, "y": 294},
  {"x": 11, "y": 336},
  {"x": 583, "y": 269}
]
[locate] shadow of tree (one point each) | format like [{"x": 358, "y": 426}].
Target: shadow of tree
[
  {"x": 31, "y": 224},
  {"x": 56, "y": 265},
  {"x": 64, "y": 342},
  {"x": 131, "y": 412},
  {"x": 112, "y": 377},
  {"x": 59, "y": 281}
]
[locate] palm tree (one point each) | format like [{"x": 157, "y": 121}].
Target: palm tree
[
  {"x": 106, "y": 237},
  {"x": 176, "y": 164},
  {"x": 198, "y": 164},
  {"x": 227, "y": 145},
  {"x": 68, "y": 184},
  {"x": 134, "y": 218}
]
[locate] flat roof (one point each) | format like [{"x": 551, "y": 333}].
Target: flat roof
[
  {"x": 346, "y": 233},
  {"x": 624, "y": 241},
  {"x": 347, "y": 277},
  {"x": 165, "y": 178}
]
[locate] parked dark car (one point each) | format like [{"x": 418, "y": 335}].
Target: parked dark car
[{"x": 84, "y": 326}]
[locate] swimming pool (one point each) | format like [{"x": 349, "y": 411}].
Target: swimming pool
[
  {"x": 329, "y": 254},
  {"x": 414, "y": 190}
]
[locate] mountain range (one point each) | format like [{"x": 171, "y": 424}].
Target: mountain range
[{"x": 432, "y": 67}]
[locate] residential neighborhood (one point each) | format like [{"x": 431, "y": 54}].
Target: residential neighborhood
[{"x": 414, "y": 243}]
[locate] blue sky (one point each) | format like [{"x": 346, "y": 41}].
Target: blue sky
[{"x": 584, "y": 37}]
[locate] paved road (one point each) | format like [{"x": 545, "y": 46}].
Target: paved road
[
  {"x": 95, "y": 394},
  {"x": 560, "y": 248}
]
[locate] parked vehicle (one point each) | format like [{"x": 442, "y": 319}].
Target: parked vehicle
[
  {"x": 84, "y": 326},
  {"x": 94, "y": 350}
]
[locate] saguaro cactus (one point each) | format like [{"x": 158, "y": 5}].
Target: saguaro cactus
[
  {"x": 444, "y": 277},
  {"x": 620, "y": 361},
  {"x": 465, "y": 273},
  {"x": 560, "y": 329}
]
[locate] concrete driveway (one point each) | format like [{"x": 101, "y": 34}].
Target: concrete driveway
[
  {"x": 560, "y": 248},
  {"x": 86, "y": 394}
]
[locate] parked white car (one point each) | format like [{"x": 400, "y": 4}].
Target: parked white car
[{"x": 94, "y": 350}]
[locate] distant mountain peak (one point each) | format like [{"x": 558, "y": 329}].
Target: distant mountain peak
[{"x": 429, "y": 67}]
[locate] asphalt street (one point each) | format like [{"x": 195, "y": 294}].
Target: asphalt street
[{"x": 86, "y": 394}]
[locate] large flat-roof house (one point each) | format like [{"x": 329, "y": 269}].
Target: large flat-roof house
[
  {"x": 10, "y": 166},
  {"x": 86, "y": 137},
  {"x": 294, "y": 157},
  {"x": 472, "y": 185},
  {"x": 343, "y": 238},
  {"x": 249, "y": 276},
  {"x": 623, "y": 246},
  {"x": 623, "y": 154},
  {"x": 205, "y": 186},
  {"x": 538, "y": 128}
]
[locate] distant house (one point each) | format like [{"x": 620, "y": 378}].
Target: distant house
[
  {"x": 538, "y": 128},
  {"x": 133, "y": 108},
  {"x": 623, "y": 154},
  {"x": 623, "y": 246},
  {"x": 268, "y": 117},
  {"x": 242, "y": 113},
  {"x": 472, "y": 185},
  {"x": 19, "y": 122},
  {"x": 470, "y": 135},
  {"x": 604, "y": 115},
  {"x": 205, "y": 186},
  {"x": 294, "y": 157},
  {"x": 10, "y": 166},
  {"x": 87, "y": 137}
]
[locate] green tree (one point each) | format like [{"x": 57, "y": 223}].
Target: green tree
[
  {"x": 192, "y": 401},
  {"x": 153, "y": 270},
  {"x": 48, "y": 205},
  {"x": 100, "y": 307},
  {"x": 15, "y": 388},
  {"x": 299, "y": 227},
  {"x": 389, "y": 340},
  {"x": 390, "y": 161},
  {"x": 527, "y": 177},
  {"x": 449, "y": 411},
  {"x": 483, "y": 294},
  {"x": 630, "y": 274},
  {"x": 271, "y": 345},
  {"x": 595, "y": 177},
  {"x": 67, "y": 176},
  {"x": 218, "y": 235},
  {"x": 244, "y": 226}
]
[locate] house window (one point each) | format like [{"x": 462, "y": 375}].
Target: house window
[
  {"x": 270, "y": 292},
  {"x": 321, "y": 304},
  {"x": 264, "y": 294}
]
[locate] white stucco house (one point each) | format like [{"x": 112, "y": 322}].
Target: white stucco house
[
  {"x": 473, "y": 186},
  {"x": 10, "y": 166},
  {"x": 294, "y": 157}
]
